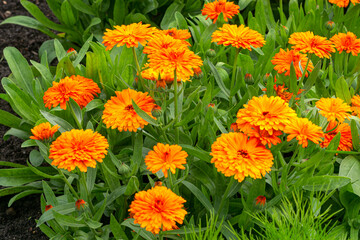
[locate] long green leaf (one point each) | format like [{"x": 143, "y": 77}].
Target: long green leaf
[
  {"x": 143, "y": 114},
  {"x": 199, "y": 195}
]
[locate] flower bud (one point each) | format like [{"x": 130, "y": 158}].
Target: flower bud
[
  {"x": 210, "y": 53},
  {"x": 330, "y": 25},
  {"x": 124, "y": 169},
  {"x": 156, "y": 111},
  {"x": 249, "y": 79},
  {"x": 72, "y": 53}
]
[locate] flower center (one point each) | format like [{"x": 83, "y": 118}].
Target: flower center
[
  {"x": 242, "y": 153},
  {"x": 265, "y": 113},
  {"x": 129, "y": 108},
  {"x": 158, "y": 206}
]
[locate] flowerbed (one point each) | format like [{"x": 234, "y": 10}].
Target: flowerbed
[{"x": 204, "y": 130}]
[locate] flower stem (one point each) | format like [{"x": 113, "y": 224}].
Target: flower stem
[
  {"x": 69, "y": 185},
  {"x": 225, "y": 194},
  {"x": 233, "y": 77},
  {"x": 176, "y": 107},
  {"x": 142, "y": 84}
]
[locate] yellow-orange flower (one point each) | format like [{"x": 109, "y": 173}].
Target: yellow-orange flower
[
  {"x": 82, "y": 90},
  {"x": 181, "y": 60},
  {"x": 131, "y": 35},
  {"x": 165, "y": 157},
  {"x": 162, "y": 41},
  {"x": 158, "y": 209},
  {"x": 43, "y": 131},
  {"x": 238, "y": 36},
  {"x": 343, "y": 3},
  {"x": 303, "y": 130},
  {"x": 214, "y": 9},
  {"x": 162, "y": 78},
  {"x": 268, "y": 113},
  {"x": 283, "y": 59},
  {"x": 119, "y": 112},
  {"x": 235, "y": 155},
  {"x": 78, "y": 148},
  {"x": 346, "y": 42},
  {"x": 355, "y": 105},
  {"x": 263, "y": 135},
  {"x": 345, "y": 139},
  {"x": 307, "y": 42},
  {"x": 333, "y": 109},
  {"x": 178, "y": 34}
]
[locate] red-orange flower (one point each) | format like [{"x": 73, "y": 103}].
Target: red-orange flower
[
  {"x": 235, "y": 155},
  {"x": 347, "y": 42},
  {"x": 268, "y": 113},
  {"x": 181, "y": 60},
  {"x": 264, "y": 136},
  {"x": 43, "y": 131},
  {"x": 281, "y": 92},
  {"x": 355, "y": 105},
  {"x": 82, "y": 90},
  {"x": 79, "y": 203},
  {"x": 158, "y": 209},
  {"x": 345, "y": 139},
  {"x": 307, "y": 42},
  {"x": 71, "y": 50},
  {"x": 333, "y": 109},
  {"x": 131, "y": 35},
  {"x": 119, "y": 112},
  {"x": 283, "y": 59},
  {"x": 238, "y": 36},
  {"x": 48, "y": 207},
  {"x": 261, "y": 200},
  {"x": 165, "y": 157},
  {"x": 213, "y": 10},
  {"x": 78, "y": 148},
  {"x": 303, "y": 130}
]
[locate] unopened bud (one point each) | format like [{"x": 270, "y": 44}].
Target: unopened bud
[
  {"x": 210, "y": 53},
  {"x": 198, "y": 73},
  {"x": 156, "y": 111},
  {"x": 124, "y": 169},
  {"x": 72, "y": 53},
  {"x": 249, "y": 79},
  {"x": 329, "y": 25}
]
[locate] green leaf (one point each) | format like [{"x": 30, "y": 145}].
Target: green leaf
[
  {"x": 12, "y": 121},
  {"x": 68, "y": 220},
  {"x": 35, "y": 158},
  {"x": 355, "y": 135},
  {"x": 60, "y": 209},
  {"x": 326, "y": 183},
  {"x": 92, "y": 224},
  {"x": 59, "y": 50},
  {"x": 199, "y": 195},
  {"x": 141, "y": 231},
  {"x": 119, "y": 12},
  {"x": 10, "y": 164},
  {"x": 181, "y": 21},
  {"x": 169, "y": 15},
  {"x": 49, "y": 194},
  {"x": 13, "y": 190},
  {"x": 54, "y": 120},
  {"x": 82, "y": 51},
  {"x": 67, "y": 14},
  {"x": 116, "y": 229},
  {"x": 350, "y": 167},
  {"x": 196, "y": 152},
  {"x": 45, "y": 73},
  {"x": 47, "y": 231},
  {"x": 21, "y": 195},
  {"x": 17, "y": 176},
  {"x": 82, "y": 7},
  {"x": 30, "y": 23},
  {"x": 218, "y": 80},
  {"x": 143, "y": 114},
  {"x": 132, "y": 186},
  {"x": 342, "y": 90},
  {"x": 312, "y": 78}
]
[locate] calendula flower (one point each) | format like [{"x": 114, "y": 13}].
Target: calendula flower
[
  {"x": 214, "y": 9},
  {"x": 355, "y": 105},
  {"x": 345, "y": 140},
  {"x": 234, "y": 127},
  {"x": 235, "y": 155},
  {"x": 343, "y": 3},
  {"x": 263, "y": 135},
  {"x": 129, "y": 35},
  {"x": 48, "y": 207},
  {"x": 78, "y": 148},
  {"x": 79, "y": 203},
  {"x": 281, "y": 91},
  {"x": 303, "y": 130},
  {"x": 44, "y": 131},
  {"x": 307, "y": 42},
  {"x": 267, "y": 113},
  {"x": 162, "y": 41},
  {"x": 119, "y": 112},
  {"x": 178, "y": 34},
  {"x": 261, "y": 200},
  {"x": 346, "y": 42},
  {"x": 181, "y": 60},
  {"x": 283, "y": 59},
  {"x": 238, "y": 36},
  {"x": 157, "y": 209},
  {"x": 82, "y": 90},
  {"x": 162, "y": 78},
  {"x": 333, "y": 109},
  {"x": 165, "y": 157}
]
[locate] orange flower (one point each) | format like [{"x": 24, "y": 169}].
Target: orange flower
[
  {"x": 238, "y": 36},
  {"x": 234, "y": 127},
  {"x": 157, "y": 209},
  {"x": 333, "y": 109},
  {"x": 79, "y": 203},
  {"x": 263, "y": 135},
  {"x": 261, "y": 200},
  {"x": 130, "y": 35},
  {"x": 78, "y": 148},
  {"x": 283, "y": 59},
  {"x": 165, "y": 157},
  {"x": 303, "y": 130},
  {"x": 268, "y": 113},
  {"x": 181, "y": 60},
  {"x": 213, "y": 10},
  {"x": 119, "y": 112},
  {"x": 161, "y": 41},
  {"x": 48, "y": 207},
  {"x": 178, "y": 34},
  {"x": 347, "y": 42},
  {"x": 345, "y": 140},
  {"x": 236, "y": 155},
  {"x": 162, "y": 78},
  {"x": 308, "y": 42},
  {"x": 355, "y": 105},
  {"x": 80, "y": 89},
  {"x": 71, "y": 50},
  {"x": 343, "y": 3},
  {"x": 44, "y": 131}
]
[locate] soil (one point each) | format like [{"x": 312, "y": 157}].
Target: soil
[{"x": 18, "y": 221}]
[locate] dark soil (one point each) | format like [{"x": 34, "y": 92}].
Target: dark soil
[{"x": 18, "y": 222}]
